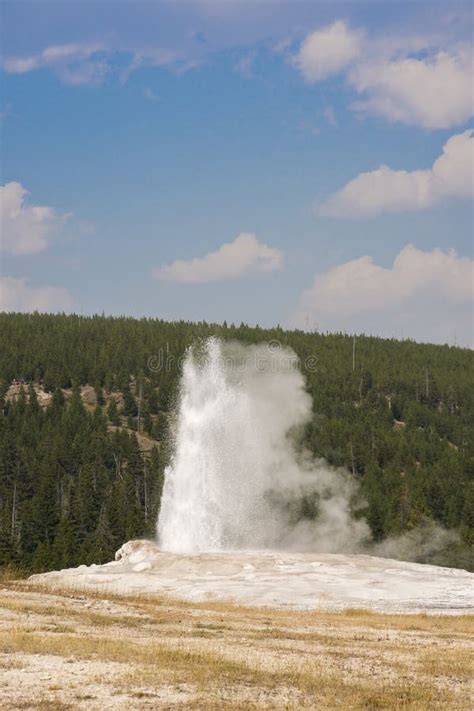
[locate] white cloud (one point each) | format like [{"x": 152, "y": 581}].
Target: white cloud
[
  {"x": 25, "y": 229},
  {"x": 434, "y": 92},
  {"x": 154, "y": 57},
  {"x": 427, "y": 296},
  {"x": 79, "y": 64},
  {"x": 84, "y": 73},
  {"x": 150, "y": 94},
  {"x": 327, "y": 51},
  {"x": 18, "y": 295},
  {"x": 158, "y": 57},
  {"x": 410, "y": 80},
  {"x": 49, "y": 56},
  {"x": 75, "y": 64},
  {"x": 244, "y": 66},
  {"x": 245, "y": 255},
  {"x": 330, "y": 116},
  {"x": 387, "y": 190}
]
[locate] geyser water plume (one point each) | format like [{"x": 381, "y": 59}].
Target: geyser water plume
[{"x": 236, "y": 480}]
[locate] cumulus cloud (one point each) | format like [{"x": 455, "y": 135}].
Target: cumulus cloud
[
  {"x": 75, "y": 64},
  {"x": 427, "y": 296},
  {"x": 245, "y": 255},
  {"x": 327, "y": 51},
  {"x": 18, "y": 295},
  {"x": 434, "y": 92},
  {"x": 25, "y": 229},
  {"x": 409, "y": 80},
  {"x": 387, "y": 190}
]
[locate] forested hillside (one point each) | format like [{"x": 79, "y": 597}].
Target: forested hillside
[{"x": 86, "y": 403}]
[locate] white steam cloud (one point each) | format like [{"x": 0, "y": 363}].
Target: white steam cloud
[{"x": 236, "y": 480}]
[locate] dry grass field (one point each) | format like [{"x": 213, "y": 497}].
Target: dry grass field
[{"x": 63, "y": 650}]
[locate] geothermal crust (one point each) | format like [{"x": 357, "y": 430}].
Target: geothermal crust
[{"x": 276, "y": 579}]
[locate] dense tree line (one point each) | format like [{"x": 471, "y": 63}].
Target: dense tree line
[
  {"x": 71, "y": 492},
  {"x": 74, "y": 483}
]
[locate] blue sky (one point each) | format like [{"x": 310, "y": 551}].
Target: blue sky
[{"x": 221, "y": 160}]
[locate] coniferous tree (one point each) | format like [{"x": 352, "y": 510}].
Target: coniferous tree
[
  {"x": 113, "y": 414},
  {"x": 65, "y": 547},
  {"x": 130, "y": 408},
  {"x": 101, "y": 544},
  {"x": 99, "y": 394}
]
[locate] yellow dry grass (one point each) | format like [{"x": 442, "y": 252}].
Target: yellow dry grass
[{"x": 81, "y": 650}]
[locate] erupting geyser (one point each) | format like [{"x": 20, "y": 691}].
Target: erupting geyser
[
  {"x": 236, "y": 483},
  {"x": 236, "y": 480}
]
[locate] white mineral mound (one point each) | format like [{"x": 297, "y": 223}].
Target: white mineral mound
[{"x": 298, "y": 580}]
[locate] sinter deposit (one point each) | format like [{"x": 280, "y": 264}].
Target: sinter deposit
[{"x": 301, "y": 580}]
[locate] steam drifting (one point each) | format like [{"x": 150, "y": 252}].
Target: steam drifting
[{"x": 237, "y": 481}]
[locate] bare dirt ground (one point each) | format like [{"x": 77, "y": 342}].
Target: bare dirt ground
[{"x": 72, "y": 650}]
